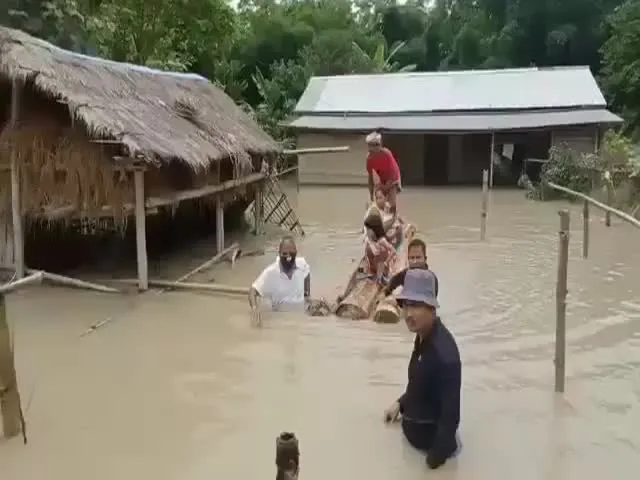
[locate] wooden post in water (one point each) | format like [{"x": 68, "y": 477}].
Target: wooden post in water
[
  {"x": 16, "y": 196},
  {"x": 491, "y": 152},
  {"x": 258, "y": 208},
  {"x": 141, "y": 230},
  {"x": 561, "y": 300},
  {"x": 585, "y": 229},
  {"x": 219, "y": 224},
  {"x": 607, "y": 214},
  {"x": 485, "y": 204},
  {"x": 10, "y": 406}
]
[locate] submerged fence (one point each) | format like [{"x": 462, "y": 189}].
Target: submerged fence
[{"x": 563, "y": 264}]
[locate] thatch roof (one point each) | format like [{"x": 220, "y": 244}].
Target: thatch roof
[{"x": 159, "y": 115}]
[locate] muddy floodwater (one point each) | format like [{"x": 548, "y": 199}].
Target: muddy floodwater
[{"x": 178, "y": 386}]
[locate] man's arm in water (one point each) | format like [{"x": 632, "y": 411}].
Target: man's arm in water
[
  {"x": 395, "y": 282},
  {"x": 253, "y": 297},
  {"x": 259, "y": 288}
]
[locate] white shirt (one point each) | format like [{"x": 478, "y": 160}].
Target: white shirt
[{"x": 281, "y": 291}]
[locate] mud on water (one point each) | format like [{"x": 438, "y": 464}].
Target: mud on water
[{"x": 178, "y": 386}]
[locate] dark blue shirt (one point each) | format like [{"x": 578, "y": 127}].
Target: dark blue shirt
[{"x": 433, "y": 389}]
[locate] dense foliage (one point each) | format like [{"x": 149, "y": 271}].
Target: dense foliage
[{"x": 263, "y": 51}]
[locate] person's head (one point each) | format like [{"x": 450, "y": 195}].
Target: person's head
[
  {"x": 418, "y": 300},
  {"x": 417, "y": 253},
  {"x": 287, "y": 252},
  {"x": 380, "y": 198},
  {"x": 374, "y": 226},
  {"x": 374, "y": 142}
]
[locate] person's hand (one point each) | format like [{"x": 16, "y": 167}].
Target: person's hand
[
  {"x": 256, "y": 317},
  {"x": 392, "y": 414}
]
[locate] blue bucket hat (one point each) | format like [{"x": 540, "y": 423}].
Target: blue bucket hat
[{"x": 419, "y": 286}]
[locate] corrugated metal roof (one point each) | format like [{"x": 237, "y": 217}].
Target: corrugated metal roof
[
  {"x": 472, "y": 122},
  {"x": 470, "y": 90}
]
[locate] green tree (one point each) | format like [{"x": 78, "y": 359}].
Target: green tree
[{"x": 621, "y": 62}]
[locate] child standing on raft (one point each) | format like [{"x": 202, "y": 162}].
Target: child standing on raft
[{"x": 378, "y": 250}]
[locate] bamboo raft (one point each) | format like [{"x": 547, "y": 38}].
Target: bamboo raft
[{"x": 363, "y": 296}]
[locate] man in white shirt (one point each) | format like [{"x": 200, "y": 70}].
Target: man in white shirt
[{"x": 284, "y": 285}]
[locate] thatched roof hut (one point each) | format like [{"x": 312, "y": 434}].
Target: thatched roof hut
[
  {"x": 75, "y": 131},
  {"x": 159, "y": 115}
]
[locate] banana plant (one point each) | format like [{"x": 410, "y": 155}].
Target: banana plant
[{"x": 382, "y": 61}]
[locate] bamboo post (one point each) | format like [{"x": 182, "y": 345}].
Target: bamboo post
[
  {"x": 9, "y": 394},
  {"x": 491, "y": 152},
  {"x": 585, "y": 229},
  {"x": 219, "y": 224},
  {"x": 258, "y": 209},
  {"x": 13, "y": 422},
  {"x": 16, "y": 206},
  {"x": 607, "y": 214},
  {"x": 485, "y": 203},
  {"x": 561, "y": 300},
  {"x": 141, "y": 231}
]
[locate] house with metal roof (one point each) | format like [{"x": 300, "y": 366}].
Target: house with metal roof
[{"x": 446, "y": 127}]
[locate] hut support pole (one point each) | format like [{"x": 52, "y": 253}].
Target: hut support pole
[
  {"x": 141, "y": 231},
  {"x": 561, "y": 301},
  {"x": 16, "y": 207},
  {"x": 258, "y": 209},
  {"x": 219, "y": 224},
  {"x": 491, "y": 151}
]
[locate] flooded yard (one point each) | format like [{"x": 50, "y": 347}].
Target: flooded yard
[{"x": 179, "y": 386}]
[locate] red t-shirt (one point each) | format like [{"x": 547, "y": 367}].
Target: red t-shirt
[{"x": 385, "y": 165}]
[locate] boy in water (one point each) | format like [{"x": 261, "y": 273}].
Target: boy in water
[{"x": 417, "y": 257}]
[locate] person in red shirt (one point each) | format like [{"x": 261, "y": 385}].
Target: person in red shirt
[{"x": 383, "y": 170}]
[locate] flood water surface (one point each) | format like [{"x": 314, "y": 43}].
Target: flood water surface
[{"x": 178, "y": 386}]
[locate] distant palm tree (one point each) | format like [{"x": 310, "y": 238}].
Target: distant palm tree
[{"x": 383, "y": 62}]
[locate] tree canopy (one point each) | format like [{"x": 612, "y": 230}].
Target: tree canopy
[{"x": 262, "y": 52}]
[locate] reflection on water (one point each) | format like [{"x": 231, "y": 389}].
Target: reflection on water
[{"x": 178, "y": 386}]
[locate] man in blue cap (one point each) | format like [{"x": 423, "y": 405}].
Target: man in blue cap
[{"x": 430, "y": 406}]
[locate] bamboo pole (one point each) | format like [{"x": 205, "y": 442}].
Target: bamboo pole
[
  {"x": 585, "y": 229},
  {"x": 621, "y": 215},
  {"x": 13, "y": 422},
  {"x": 485, "y": 204},
  {"x": 10, "y": 404},
  {"x": 491, "y": 152},
  {"x": 258, "y": 209},
  {"x": 16, "y": 204},
  {"x": 219, "y": 224},
  {"x": 141, "y": 231},
  {"x": 207, "y": 287},
  {"x": 561, "y": 301},
  {"x": 607, "y": 213},
  {"x": 311, "y": 151},
  {"x": 216, "y": 258},
  {"x": 72, "y": 282}
]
